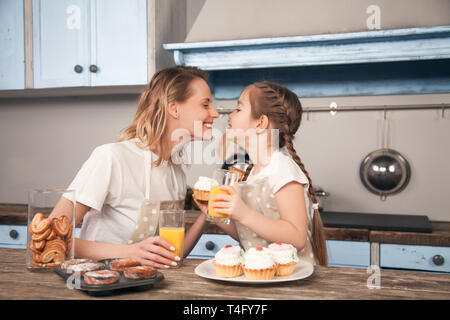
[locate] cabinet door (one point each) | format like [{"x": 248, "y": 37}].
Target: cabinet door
[
  {"x": 12, "y": 53},
  {"x": 350, "y": 254},
  {"x": 60, "y": 43},
  {"x": 119, "y": 42}
]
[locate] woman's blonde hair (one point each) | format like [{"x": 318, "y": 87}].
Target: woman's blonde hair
[
  {"x": 167, "y": 85},
  {"x": 284, "y": 111}
]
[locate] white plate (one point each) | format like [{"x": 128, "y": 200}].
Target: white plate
[{"x": 302, "y": 270}]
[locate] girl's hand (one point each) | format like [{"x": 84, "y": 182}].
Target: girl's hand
[
  {"x": 154, "y": 252},
  {"x": 202, "y": 205},
  {"x": 230, "y": 204}
]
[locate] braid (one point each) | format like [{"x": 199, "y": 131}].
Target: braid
[{"x": 318, "y": 243}]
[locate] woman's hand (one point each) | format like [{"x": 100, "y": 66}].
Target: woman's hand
[
  {"x": 154, "y": 252},
  {"x": 230, "y": 204}
]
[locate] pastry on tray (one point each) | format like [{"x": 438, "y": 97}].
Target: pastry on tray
[
  {"x": 101, "y": 277},
  {"x": 139, "y": 272},
  {"x": 285, "y": 256},
  {"x": 228, "y": 262},
  {"x": 259, "y": 264},
  {"x": 121, "y": 264}
]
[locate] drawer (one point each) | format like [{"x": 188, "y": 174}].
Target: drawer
[
  {"x": 209, "y": 244},
  {"x": 13, "y": 236},
  {"x": 414, "y": 257},
  {"x": 7, "y": 239},
  {"x": 352, "y": 254}
]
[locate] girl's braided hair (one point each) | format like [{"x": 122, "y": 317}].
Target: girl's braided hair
[{"x": 284, "y": 111}]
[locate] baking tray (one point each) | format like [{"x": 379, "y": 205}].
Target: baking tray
[{"x": 120, "y": 286}]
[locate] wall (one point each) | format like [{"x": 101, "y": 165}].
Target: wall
[{"x": 44, "y": 141}]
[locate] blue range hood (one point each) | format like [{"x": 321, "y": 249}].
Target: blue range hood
[{"x": 382, "y": 62}]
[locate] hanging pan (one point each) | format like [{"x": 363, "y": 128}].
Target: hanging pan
[{"x": 385, "y": 172}]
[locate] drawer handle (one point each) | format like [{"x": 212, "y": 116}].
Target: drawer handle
[
  {"x": 210, "y": 245},
  {"x": 13, "y": 234},
  {"x": 438, "y": 260},
  {"x": 93, "y": 68},
  {"x": 78, "y": 69}
]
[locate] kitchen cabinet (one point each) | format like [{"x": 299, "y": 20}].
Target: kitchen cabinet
[
  {"x": 80, "y": 43},
  {"x": 15, "y": 236},
  {"x": 208, "y": 245},
  {"x": 351, "y": 254},
  {"x": 415, "y": 257},
  {"x": 12, "y": 44}
]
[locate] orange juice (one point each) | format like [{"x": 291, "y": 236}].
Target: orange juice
[
  {"x": 175, "y": 236},
  {"x": 215, "y": 191}
]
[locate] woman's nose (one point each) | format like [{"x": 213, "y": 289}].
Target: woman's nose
[{"x": 214, "y": 113}]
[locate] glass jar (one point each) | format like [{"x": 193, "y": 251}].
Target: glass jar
[{"x": 50, "y": 234}]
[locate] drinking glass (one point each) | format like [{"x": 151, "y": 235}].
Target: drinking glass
[
  {"x": 49, "y": 236},
  {"x": 223, "y": 177},
  {"x": 171, "y": 228}
]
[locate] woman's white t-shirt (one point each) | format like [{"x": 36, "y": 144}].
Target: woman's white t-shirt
[{"x": 112, "y": 183}]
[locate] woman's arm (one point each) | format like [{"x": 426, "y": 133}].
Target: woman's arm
[
  {"x": 292, "y": 226},
  {"x": 153, "y": 251}
]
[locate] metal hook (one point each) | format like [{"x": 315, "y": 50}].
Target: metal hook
[
  {"x": 443, "y": 111},
  {"x": 333, "y": 108}
]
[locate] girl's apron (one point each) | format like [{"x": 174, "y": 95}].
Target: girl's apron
[
  {"x": 148, "y": 221},
  {"x": 259, "y": 197}
]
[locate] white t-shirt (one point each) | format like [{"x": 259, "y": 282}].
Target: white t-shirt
[
  {"x": 281, "y": 170},
  {"x": 112, "y": 183}
]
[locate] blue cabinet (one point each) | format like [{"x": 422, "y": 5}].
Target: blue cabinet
[
  {"x": 12, "y": 45},
  {"x": 415, "y": 257},
  {"x": 15, "y": 236},
  {"x": 79, "y": 43},
  {"x": 209, "y": 244},
  {"x": 352, "y": 254}
]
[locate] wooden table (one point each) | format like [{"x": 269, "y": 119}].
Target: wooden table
[{"x": 16, "y": 282}]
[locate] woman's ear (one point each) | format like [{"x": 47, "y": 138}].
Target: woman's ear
[
  {"x": 172, "y": 109},
  {"x": 262, "y": 124}
]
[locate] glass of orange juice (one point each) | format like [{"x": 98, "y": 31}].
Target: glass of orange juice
[
  {"x": 171, "y": 228},
  {"x": 223, "y": 177}
]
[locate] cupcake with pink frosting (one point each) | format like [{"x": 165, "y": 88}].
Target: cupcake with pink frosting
[
  {"x": 228, "y": 262},
  {"x": 285, "y": 255},
  {"x": 259, "y": 264}
]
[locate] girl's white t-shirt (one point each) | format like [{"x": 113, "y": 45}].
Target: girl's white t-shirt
[
  {"x": 281, "y": 170},
  {"x": 112, "y": 183}
]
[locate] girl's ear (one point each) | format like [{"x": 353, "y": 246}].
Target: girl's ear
[
  {"x": 262, "y": 124},
  {"x": 172, "y": 109}
]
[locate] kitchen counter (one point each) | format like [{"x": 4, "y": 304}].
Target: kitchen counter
[
  {"x": 16, "y": 282},
  {"x": 16, "y": 214}
]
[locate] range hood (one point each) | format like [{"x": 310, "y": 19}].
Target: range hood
[{"x": 382, "y": 62}]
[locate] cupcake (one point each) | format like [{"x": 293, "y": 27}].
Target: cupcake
[
  {"x": 259, "y": 264},
  {"x": 202, "y": 187},
  {"x": 228, "y": 262},
  {"x": 285, "y": 256}
]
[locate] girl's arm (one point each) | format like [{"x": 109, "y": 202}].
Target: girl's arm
[
  {"x": 152, "y": 251},
  {"x": 292, "y": 227}
]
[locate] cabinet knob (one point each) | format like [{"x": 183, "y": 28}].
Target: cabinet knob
[
  {"x": 13, "y": 234},
  {"x": 78, "y": 69},
  {"x": 438, "y": 260},
  {"x": 210, "y": 245},
  {"x": 93, "y": 68}
]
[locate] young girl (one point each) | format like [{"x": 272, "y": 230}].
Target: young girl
[
  {"x": 122, "y": 186},
  {"x": 277, "y": 203}
]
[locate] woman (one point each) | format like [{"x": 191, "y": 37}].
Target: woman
[{"x": 122, "y": 184}]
